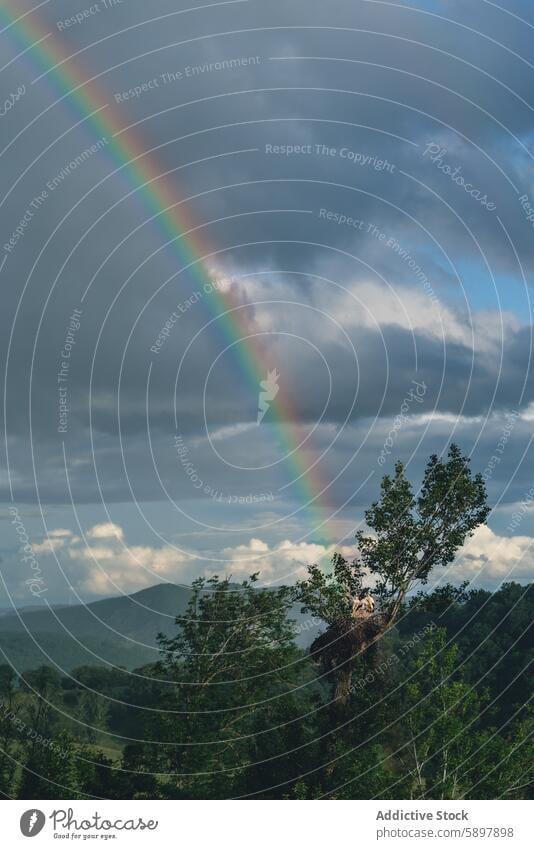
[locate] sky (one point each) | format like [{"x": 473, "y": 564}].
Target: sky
[{"x": 251, "y": 255}]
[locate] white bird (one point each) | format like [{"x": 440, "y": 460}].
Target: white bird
[{"x": 362, "y": 607}]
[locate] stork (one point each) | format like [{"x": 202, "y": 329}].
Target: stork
[{"x": 363, "y": 607}]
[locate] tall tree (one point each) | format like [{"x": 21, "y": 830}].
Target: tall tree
[
  {"x": 412, "y": 535},
  {"x": 8, "y": 729},
  {"x": 447, "y": 754},
  {"x": 409, "y": 536},
  {"x": 230, "y": 671}
]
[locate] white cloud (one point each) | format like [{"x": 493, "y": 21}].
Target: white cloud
[
  {"x": 527, "y": 414},
  {"x": 104, "y": 563},
  {"x": 106, "y": 530},
  {"x": 56, "y": 539},
  {"x": 374, "y": 305},
  {"x": 110, "y": 565},
  {"x": 227, "y": 432},
  {"x": 416, "y": 312},
  {"x": 285, "y": 561},
  {"x": 495, "y": 557}
]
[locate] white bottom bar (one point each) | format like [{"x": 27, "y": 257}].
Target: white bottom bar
[{"x": 259, "y": 825}]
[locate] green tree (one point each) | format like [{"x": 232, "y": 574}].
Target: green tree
[
  {"x": 439, "y": 714},
  {"x": 50, "y": 770},
  {"x": 230, "y": 672},
  {"x": 447, "y": 754},
  {"x": 409, "y": 537},
  {"x": 8, "y": 729},
  {"x": 412, "y": 535}
]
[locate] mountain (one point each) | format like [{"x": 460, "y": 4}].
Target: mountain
[{"x": 120, "y": 630}]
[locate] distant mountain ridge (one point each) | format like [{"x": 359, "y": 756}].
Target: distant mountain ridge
[{"x": 120, "y": 630}]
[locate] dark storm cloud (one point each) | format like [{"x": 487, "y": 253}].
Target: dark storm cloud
[{"x": 387, "y": 105}]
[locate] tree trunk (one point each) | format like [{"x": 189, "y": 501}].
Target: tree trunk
[{"x": 336, "y": 715}]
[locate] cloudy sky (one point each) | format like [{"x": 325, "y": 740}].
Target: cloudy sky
[{"x": 351, "y": 210}]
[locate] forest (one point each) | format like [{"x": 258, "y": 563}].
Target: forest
[{"x": 406, "y": 693}]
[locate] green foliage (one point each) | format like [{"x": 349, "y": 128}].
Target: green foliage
[
  {"x": 448, "y": 754},
  {"x": 329, "y": 595},
  {"x": 229, "y": 675},
  {"x": 412, "y": 535},
  {"x": 50, "y": 771},
  {"x": 439, "y": 714},
  {"x": 234, "y": 708},
  {"x": 409, "y": 536}
]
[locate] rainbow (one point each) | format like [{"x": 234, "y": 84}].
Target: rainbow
[{"x": 162, "y": 200}]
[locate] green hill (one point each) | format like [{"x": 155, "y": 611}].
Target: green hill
[{"x": 120, "y": 631}]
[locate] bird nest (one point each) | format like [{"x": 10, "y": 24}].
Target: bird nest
[{"x": 344, "y": 641}]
